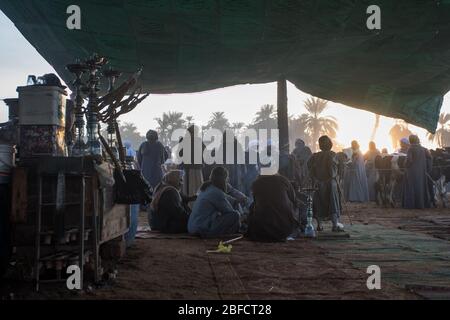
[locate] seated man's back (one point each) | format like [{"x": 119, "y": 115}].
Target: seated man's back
[{"x": 272, "y": 216}]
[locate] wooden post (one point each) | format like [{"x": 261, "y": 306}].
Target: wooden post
[{"x": 283, "y": 124}]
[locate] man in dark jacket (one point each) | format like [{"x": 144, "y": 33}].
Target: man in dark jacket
[
  {"x": 416, "y": 187},
  {"x": 273, "y": 213},
  {"x": 323, "y": 168},
  {"x": 169, "y": 212}
]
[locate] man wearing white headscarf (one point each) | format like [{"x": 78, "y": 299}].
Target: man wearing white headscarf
[{"x": 169, "y": 212}]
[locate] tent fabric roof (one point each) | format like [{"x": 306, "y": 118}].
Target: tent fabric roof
[{"x": 321, "y": 46}]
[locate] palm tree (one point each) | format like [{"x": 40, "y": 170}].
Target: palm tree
[
  {"x": 189, "y": 120},
  {"x": 218, "y": 121},
  {"x": 441, "y": 137},
  {"x": 315, "y": 123},
  {"x": 398, "y": 131},
  {"x": 266, "y": 113},
  {"x": 266, "y": 118},
  {"x": 297, "y": 131},
  {"x": 236, "y": 126},
  {"x": 129, "y": 132},
  {"x": 167, "y": 124}
]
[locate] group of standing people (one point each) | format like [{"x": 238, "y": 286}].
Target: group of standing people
[
  {"x": 413, "y": 185},
  {"x": 353, "y": 176}
]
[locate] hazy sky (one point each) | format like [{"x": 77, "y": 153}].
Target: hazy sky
[{"x": 18, "y": 59}]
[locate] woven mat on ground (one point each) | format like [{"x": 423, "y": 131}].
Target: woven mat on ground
[
  {"x": 159, "y": 235},
  {"x": 405, "y": 258},
  {"x": 144, "y": 232}
]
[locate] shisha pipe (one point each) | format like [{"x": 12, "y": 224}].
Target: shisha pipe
[
  {"x": 93, "y": 65},
  {"x": 310, "y": 231},
  {"x": 78, "y": 70}
]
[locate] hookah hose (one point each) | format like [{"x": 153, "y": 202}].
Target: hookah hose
[
  {"x": 113, "y": 157},
  {"x": 120, "y": 143},
  {"x": 342, "y": 202}
]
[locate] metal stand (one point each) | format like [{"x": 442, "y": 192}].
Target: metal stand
[
  {"x": 81, "y": 258},
  {"x": 96, "y": 244},
  {"x": 58, "y": 255},
  {"x": 37, "y": 262}
]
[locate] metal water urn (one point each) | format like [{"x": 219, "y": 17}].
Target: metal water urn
[{"x": 42, "y": 115}]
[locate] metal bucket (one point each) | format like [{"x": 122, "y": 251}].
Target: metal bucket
[{"x": 7, "y": 155}]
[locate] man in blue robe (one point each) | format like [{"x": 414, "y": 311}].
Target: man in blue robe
[
  {"x": 151, "y": 156},
  {"x": 371, "y": 171},
  {"x": 213, "y": 213},
  {"x": 356, "y": 187}
]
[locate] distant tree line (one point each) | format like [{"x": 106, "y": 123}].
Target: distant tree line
[{"x": 308, "y": 126}]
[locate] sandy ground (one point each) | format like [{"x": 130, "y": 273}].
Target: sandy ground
[{"x": 300, "y": 269}]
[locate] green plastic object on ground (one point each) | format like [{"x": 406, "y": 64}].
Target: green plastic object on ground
[
  {"x": 322, "y": 46},
  {"x": 221, "y": 248}
]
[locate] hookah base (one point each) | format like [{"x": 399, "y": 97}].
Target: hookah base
[{"x": 310, "y": 232}]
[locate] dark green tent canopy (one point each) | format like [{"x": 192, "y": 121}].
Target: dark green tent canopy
[{"x": 323, "y": 47}]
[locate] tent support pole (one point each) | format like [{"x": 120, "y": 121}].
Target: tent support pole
[{"x": 283, "y": 124}]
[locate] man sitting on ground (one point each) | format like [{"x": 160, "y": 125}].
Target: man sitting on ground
[
  {"x": 272, "y": 214},
  {"x": 213, "y": 214},
  {"x": 169, "y": 212}
]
